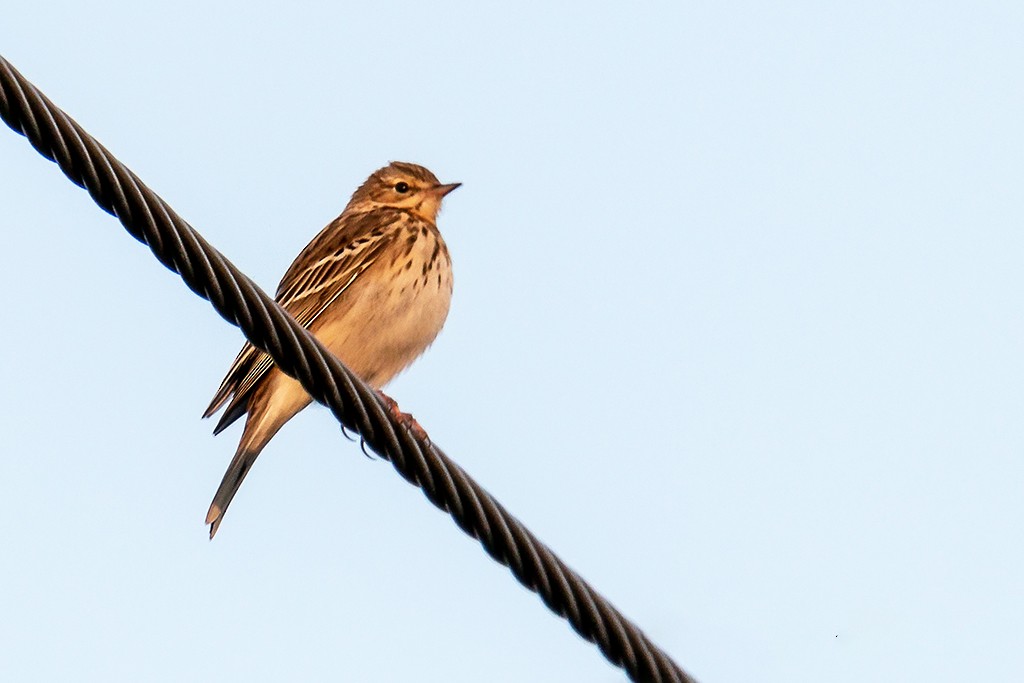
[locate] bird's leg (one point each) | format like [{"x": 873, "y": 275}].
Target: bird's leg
[{"x": 404, "y": 419}]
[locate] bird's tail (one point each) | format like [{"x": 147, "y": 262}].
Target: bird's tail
[
  {"x": 275, "y": 401},
  {"x": 245, "y": 456}
]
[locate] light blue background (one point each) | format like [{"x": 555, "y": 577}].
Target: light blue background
[{"x": 737, "y": 329}]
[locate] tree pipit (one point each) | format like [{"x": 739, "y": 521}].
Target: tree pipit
[{"x": 374, "y": 286}]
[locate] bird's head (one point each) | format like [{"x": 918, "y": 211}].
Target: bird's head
[{"x": 400, "y": 185}]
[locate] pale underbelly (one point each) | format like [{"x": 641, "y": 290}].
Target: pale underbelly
[{"x": 389, "y": 322}]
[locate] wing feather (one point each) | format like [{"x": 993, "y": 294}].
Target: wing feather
[{"x": 325, "y": 270}]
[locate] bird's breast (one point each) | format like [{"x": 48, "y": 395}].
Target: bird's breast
[
  {"x": 398, "y": 307},
  {"x": 421, "y": 289}
]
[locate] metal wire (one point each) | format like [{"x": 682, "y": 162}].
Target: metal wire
[{"x": 240, "y": 301}]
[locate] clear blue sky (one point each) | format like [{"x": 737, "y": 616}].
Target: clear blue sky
[{"x": 737, "y": 329}]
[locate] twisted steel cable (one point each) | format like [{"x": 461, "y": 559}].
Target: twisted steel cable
[{"x": 240, "y": 301}]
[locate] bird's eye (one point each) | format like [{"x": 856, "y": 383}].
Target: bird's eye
[{"x": 402, "y": 187}]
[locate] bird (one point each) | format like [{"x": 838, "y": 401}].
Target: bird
[{"x": 374, "y": 287}]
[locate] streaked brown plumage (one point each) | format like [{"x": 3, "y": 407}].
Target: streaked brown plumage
[{"x": 374, "y": 286}]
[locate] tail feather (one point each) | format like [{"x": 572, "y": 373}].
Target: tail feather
[
  {"x": 233, "y": 477},
  {"x": 270, "y": 404}
]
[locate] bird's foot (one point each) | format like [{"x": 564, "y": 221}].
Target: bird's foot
[{"x": 404, "y": 419}]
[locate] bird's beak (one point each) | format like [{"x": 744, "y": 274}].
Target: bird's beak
[{"x": 442, "y": 190}]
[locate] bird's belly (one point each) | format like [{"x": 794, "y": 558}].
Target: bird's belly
[{"x": 392, "y": 320}]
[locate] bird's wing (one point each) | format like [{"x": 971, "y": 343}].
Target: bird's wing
[{"x": 324, "y": 270}]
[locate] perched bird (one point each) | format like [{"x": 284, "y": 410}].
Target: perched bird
[{"x": 374, "y": 286}]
